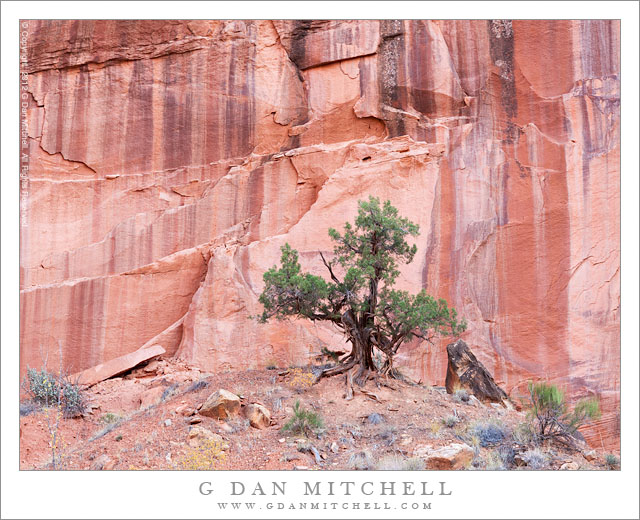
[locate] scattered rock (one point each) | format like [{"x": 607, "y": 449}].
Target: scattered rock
[
  {"x": 570, "y": 466},
  {"x": 195, "y": 420},
  {"x": 167, "y": 422},
  {"x": 220, "y": 405},
  {"x": 185, "y": 410},
  {"x": 259, "y": 417},
  {"x": 151, "y": 397},
  {"x": 292, "y": 455},
  {"x": 466, "y": 371},
  {"x": 453, "y": 456},
  {"x": 117, "y": 366},
  {"x": 334, "y": 447},
  {"x": 300, "y": 468},
  {"x": 151, "y": 367},
  {"x": 590, "y": 455},
  {"x": 198, "y": 435}
]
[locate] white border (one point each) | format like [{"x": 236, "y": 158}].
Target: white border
[{"x": 174, "y": 495}]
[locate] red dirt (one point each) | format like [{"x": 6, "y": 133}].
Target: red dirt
[{"x": 412, "y": 416}]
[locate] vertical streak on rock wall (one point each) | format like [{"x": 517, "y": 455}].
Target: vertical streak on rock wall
[{"x": 171, "y": 159}]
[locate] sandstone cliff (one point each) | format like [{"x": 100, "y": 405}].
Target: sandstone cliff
[{"x": 169, "y": 161}]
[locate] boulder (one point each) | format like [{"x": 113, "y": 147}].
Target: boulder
[
  {"x": 185, "y": 410},
  {"x": 590, "y": 455},
  {"x": 465, "y": 371},
  {"x": 220, "y": 405},
  {"x": 453, "y": 456},
  {"x": 259, "y": 417},
  {"x": 117, "y": 366},
  {"x": 151, "y": 397},
  {"x": 198, "y": 435}
]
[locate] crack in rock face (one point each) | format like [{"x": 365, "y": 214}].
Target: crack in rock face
[{"x": 170, "y": 160}]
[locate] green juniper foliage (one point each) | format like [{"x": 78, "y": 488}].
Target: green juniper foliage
[{"x": 360, "y": 299}]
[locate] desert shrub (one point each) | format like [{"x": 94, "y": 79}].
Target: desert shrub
[
  {"x": 461, "y": 396},
  {"x": 303, "y": 421},
  {"x": 169, "y": 391},
  {"x": 388, "y": 435},
  {"x": 414, "y": 464},
  {"x": 206, "y": 456},
  {"x": 523, "y": 433},
  {"x": 27, "y": 408},
  {"x": 488, "y": 433},
  {"x": 47, "y": 389},
  {"x": 73, "y": 401},
  {"x": 494, "y": 462},
  {"x": 435, "y": 428},
  {"x": 450, "y": 421},
  {"x": 198, "y": 385},
  {"x": 361, "y": 461},
  {"x": 551, "y": 418},
  {"x": 535, "y": 459},
  {"x": 300, "y": 379},
  {"x": 611, "y": 460},
  {"x": 375, "y": 418},
  {"x": 399, "y": 463},
  {"x": 507, "y": 455}
]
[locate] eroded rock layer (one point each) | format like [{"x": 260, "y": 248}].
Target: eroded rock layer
[{"x": 170, "y": 160}]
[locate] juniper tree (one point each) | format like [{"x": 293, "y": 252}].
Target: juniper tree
[{"x": 359, "y": 298}]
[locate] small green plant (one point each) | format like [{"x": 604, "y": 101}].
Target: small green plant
[
  {"x": 551, "y": 417},
  {"x": 303, "y": 422},
  {"x": 612, "y": 461}
]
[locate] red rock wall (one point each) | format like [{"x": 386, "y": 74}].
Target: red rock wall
[{"x": 171, "y": 159}]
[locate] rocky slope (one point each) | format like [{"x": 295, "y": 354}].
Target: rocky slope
[
  {"x": 169, "y": 161},
  {"x": 158, "y": 417}
]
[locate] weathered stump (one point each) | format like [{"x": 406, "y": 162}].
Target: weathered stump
[{"x": 465, "y": 371}]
